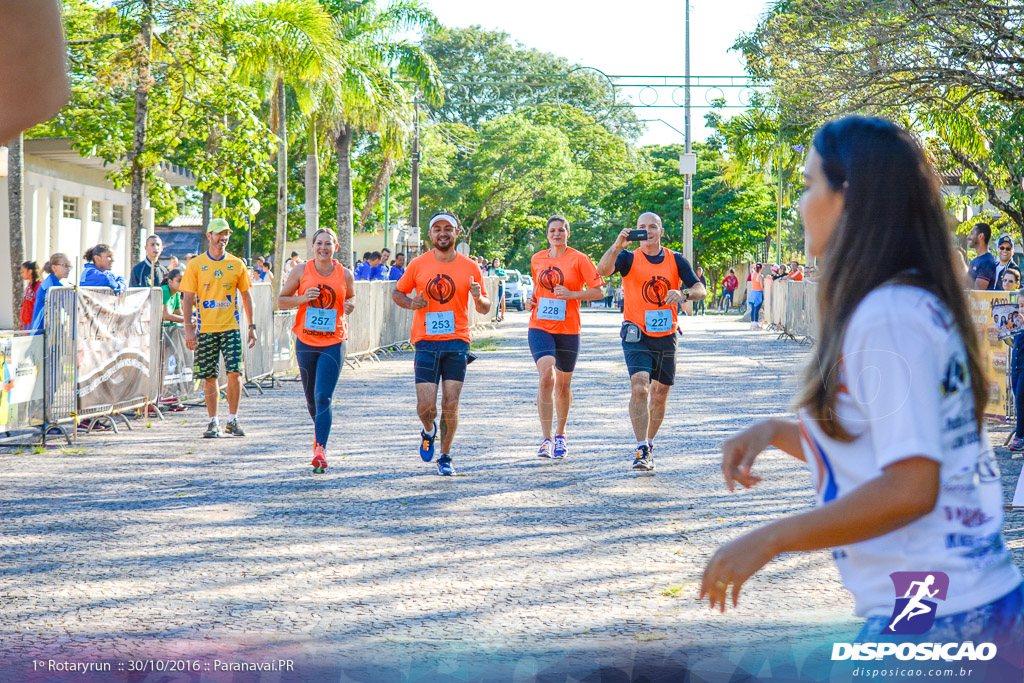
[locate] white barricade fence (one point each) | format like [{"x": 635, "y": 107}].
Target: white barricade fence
[
  {"x": 258, "y": 362},
  {"x": 177, "y": 363}
]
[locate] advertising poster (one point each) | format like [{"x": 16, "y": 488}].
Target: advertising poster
[
  {"x": 21, "y": 382},
  {"x": 992, "y": 315}
]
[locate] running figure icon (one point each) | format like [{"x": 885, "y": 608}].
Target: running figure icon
[{"x": 915, "y": 607}]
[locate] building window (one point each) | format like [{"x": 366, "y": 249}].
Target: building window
[
  {"x": 70, "y": 207},
  {"x": 96, "y": 211},
  {"x": 119, "y": 214}
]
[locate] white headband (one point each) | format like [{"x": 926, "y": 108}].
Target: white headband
[{"x": 444, "y": 216}]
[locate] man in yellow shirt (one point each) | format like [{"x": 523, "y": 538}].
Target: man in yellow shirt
[{"x": 214, "y": 281}]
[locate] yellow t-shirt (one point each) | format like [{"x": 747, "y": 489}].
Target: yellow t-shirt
[{"x": 216, "y": 284}]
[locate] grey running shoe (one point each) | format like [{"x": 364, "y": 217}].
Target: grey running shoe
[
  {"x": 212, "y": 432},
  {"x": 234, "y": 429},
  {"x": 644, "y": 460}
]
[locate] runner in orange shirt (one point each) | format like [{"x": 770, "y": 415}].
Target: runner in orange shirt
[
  {"x": 655, "y": 280},
  {"x": 441, "y": 283},
  {"x": 322, "y": 290},
  {"x": 559, "y": 275}
]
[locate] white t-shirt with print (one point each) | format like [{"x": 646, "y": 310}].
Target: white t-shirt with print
[{"x": 905, "y": 392}]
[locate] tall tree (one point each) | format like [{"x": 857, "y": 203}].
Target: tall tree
[{"x": 293, "y": 44}]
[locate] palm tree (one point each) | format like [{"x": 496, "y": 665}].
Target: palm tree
[
  {"x": 294, "y": 44},
  {"x": 369, "y": 96}
]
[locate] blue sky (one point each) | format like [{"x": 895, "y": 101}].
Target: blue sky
[{"x": 639, "y": 37}]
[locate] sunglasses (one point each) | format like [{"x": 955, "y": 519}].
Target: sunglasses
[{"x": 1005, "y": 248}]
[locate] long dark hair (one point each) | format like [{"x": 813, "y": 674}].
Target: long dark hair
[
  {"x": 33, "y": 270},
  {"x": 893, "y": 228},
  {"x": 171, "y": 274}
]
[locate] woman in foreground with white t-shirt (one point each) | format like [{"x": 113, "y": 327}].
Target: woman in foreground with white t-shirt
[{"x": 890, "y": 415}]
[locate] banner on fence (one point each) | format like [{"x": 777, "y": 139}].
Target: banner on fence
[
  {"x": 21, "y": 382},
  {"x": 984, "y": 308},
  {"x": 113, "y": 347}
]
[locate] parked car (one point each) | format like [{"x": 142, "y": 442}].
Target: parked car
[
  {"x": 527, "y": 288},
  {"x": 514, "y": 296}
]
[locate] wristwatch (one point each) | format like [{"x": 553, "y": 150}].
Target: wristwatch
[
  {"x": 686, "y": 294},
  {"x": 252, "y": 326}
]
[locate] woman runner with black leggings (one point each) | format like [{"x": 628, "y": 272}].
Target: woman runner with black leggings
[{"x": 322, "y": 290}]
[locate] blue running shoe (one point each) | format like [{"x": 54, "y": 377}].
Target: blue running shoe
[
  {"x": 427, "y": 445},
  {"x": 561, "y": 446},
  {"x": 444, "y": 466},
  {"x": 545, "y": 449}
]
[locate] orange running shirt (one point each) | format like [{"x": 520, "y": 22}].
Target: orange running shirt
[
  {"x": 796, "y": 277},
  {"x": 573, "y": 269},
  {"x": 321, "y": 322},
  {"x": 645, "y": 287},
  {"x": 445, "y": 286},
  {"x": 756, "y": 283}
]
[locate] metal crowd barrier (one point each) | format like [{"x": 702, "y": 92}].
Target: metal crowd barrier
[
  {"x": 61, "y": 357},
  {"x": 791, "y": 308}
]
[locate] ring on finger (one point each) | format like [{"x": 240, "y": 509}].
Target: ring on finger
[{"x": 721, "y": 584}]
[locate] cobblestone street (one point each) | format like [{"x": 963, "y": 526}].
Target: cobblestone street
[{"x": 156, "y": 542}]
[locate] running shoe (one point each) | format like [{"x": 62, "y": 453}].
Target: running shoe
[
  {"x": 427, "y": 445},
  {"x": 644, "y": 461},
  {"x": 545, "y": 449},
  {"x": 234, "y": 429},
  {"x": 212, "y": 432},
  {"x": 319, "y": 459},
  {"x": 561, "y": 446},
  {"x": 1017, "y": 445},
  {"x": 444, "y": 466}
]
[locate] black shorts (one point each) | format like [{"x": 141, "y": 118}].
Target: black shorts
[
  {"x": 653, "y": 355},
  {"x": 564, "y": 347},
  {"x": 441, "y": 359},
  {"x": 209, "y": 349}
]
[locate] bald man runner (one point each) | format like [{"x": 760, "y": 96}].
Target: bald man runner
[
  {"x": 655, "y": 281},
  {"x": 438, "y": 286}
]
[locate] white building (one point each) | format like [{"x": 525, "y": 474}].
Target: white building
[{"x": 70, "y": 206}]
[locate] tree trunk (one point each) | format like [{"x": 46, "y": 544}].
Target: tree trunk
[
  {"x": 377, "y": 191},
  {"x": 282, "y": 187},
  {"x": 343, "y": 148},
  {"x": 143, "y": 84},
  {"x": 312, "y": 190},
  {"x": 16, "y": 206}
]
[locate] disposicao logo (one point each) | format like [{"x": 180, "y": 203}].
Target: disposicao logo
[{"x": 913, "y": 615}]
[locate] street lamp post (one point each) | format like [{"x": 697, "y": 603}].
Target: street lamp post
[{"x": 252, "y": 206}]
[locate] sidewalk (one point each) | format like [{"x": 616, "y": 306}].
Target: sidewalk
[{"x": 159, "y": 543}]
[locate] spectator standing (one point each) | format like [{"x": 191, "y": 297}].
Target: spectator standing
[
  {"x": 756, "y": 296},
  {"x": 397, "y": 269},
  {"x": 729, "y": 285},
  {"x": 373, "y": 269},
  {"x": 173, "y": 264},
  {"x": 97, "y": 273},
  {"x": 385, "y": 263},
  {"x": 148, "y": 272},
  {"x": 172, "y": 297},
  {"x": 30, "y": 274},
  {"x": 495, "y": 270},
  {"x": 796, "y": 272},
  {"x": 292, "y": 261},
  {"x": 362, "y": 266},
  {"x": 58, "y": 267},
  {"x": 266, "y": 272},
  {"x": 1010, "y": 281},
  {"x": 1005, "y": 261},
  {"x": 981, "y": 274},
  {"x": 699, "y": 305},
  {"x": 891, "y": 415}
]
